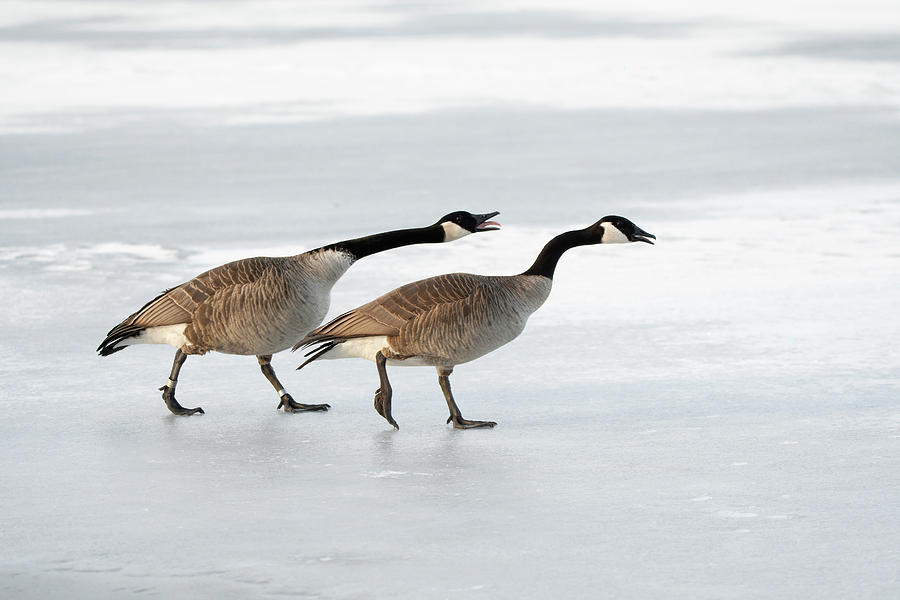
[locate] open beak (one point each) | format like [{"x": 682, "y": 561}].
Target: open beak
[
  {"x": 640, "y": 235},
  {"x": 484, "y": 225}
]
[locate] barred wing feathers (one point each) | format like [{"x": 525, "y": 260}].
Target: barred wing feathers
[
  {"x": 398, "y": 310},
  {"x": 181, "y": 304}
]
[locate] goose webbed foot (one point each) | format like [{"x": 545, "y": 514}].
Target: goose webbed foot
[
  {"x": 460, "y": 423},
  {"x": 172, "y": 403},
  {"x": 384, "y": 408},
  {"x": 385, "y": 392},
  {"x": 293, "y": 407},
  {"x": 455, "y": 416}
]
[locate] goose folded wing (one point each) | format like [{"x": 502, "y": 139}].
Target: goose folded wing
[
  {"x": 179, "y": 304},
  {"x": 390, "y": 313}
]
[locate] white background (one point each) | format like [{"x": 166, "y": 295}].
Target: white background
[{"x": 715, "y": 416}]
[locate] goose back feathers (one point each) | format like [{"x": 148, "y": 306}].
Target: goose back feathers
[
  {"x": 440, "y": 321},
  {"x": 250, "y": 306},
  {"x": 262, "y": 305}
]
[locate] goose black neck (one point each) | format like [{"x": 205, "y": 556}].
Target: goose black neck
[
  {"x": 545, "y": 264},
  {"x": 379, "y": 242}
]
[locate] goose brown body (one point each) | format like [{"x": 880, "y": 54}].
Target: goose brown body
[
  {"x": 254, "y": 306},
  {"x": 441, "y": 321}
]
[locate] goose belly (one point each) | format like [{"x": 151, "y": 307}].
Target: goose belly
[
  {"x": 492, "y": 319},
  {"x": 368, "y": 347},
  {"x": 476, "y": 342},
  {"x": 460, "y": 341}
]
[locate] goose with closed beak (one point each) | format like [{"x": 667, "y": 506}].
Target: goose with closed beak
[
  {"x": 260, "y": 306},
  {"x": 452, "y": 319}
]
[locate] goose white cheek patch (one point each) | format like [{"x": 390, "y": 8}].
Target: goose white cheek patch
[
  {"x": 611, "y": 235},
  {"x": 452, "y": 231}
]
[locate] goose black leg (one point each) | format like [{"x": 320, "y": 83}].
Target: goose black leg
[
  {"x": 455, "y": 416},
  {"x": 168, "y": 390},
  {"x": 384, "y": 393},
  {"x": 287, "y": 402}
]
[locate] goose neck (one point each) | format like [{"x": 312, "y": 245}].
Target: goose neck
[
  {"x": 379, "y": 242},
  {"x": 546, "y": 261}
]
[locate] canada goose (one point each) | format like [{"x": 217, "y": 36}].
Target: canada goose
[
  {"x": 260, "y": 306},
  {"x": 452, "y": 319}
]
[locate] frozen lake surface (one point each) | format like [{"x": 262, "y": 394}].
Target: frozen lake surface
[{"x": 715, "y": 416}]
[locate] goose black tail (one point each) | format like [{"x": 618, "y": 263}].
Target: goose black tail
[
  {"x": 117, "y": 335},
  {"x": 317, "y": 352}
]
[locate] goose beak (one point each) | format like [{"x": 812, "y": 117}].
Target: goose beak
[
  {"x": 484, "y": 225},
  {"x": 640, "y": 235}
]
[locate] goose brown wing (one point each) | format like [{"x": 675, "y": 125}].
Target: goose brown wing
[
  {"x": 180, "y": 304},
  {"x": 390, "y": 313}
]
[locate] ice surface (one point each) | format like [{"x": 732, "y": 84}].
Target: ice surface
[{"x": 715, "y": 416}]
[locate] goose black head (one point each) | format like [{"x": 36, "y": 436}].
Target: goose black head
[
  {"x": 461, "y": 223},
  {"x": 619, "y": 230}
]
